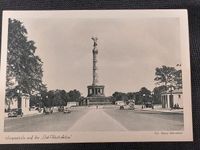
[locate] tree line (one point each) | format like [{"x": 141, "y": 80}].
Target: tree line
[
  {"x": 55, "y": 98},
  {"x": 143, "y": 95}
]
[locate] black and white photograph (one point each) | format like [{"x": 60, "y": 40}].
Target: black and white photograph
[{"x": 111, "y": 74}]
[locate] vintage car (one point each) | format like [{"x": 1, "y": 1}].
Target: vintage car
[
  {"x": 127, "y": 107},
  {"x": 130, "y": 104},
  {"x": 61, "y": 109},
  {"x": 67, "y": 110},
  {"x": 148, "y": 105},
  {"x": 48, "y": 110},
  {"x": 15, "y": 112}
]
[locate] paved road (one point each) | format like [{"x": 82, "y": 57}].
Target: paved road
[
  {"x": 57, "y": 121},
  {"x": 92, "y": 119},
  {"x": 147, "y": 120},
  {"x": 97, "y": 120}
]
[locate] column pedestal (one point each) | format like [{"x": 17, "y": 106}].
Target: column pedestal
[{"x": 96, "y": 95}]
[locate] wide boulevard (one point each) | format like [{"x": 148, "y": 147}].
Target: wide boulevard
[{"x": 107, "y": 118}]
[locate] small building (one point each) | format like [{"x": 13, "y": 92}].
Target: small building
[
  {"x": 72, "y": 104},
  {"x": 23, "y": 103},
  {"x": 172, "y": 99}
]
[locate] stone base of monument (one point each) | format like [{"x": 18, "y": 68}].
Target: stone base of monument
[
  {"x": 99, "y": 100},
  {"x": 96, "y": 96}
]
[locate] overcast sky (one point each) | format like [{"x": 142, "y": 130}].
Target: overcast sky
[{"x": 129, "y": 51}]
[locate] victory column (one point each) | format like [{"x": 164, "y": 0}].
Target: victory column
[{"x": 96, "y": 92}]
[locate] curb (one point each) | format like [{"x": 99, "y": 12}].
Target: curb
[{"x": 161, "y": 111}]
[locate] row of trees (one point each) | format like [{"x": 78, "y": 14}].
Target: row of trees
[
  {"x": 55, "y": 98},
  {"x": 141, "y": 96}
]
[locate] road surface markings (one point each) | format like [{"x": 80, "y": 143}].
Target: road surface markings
[{"x": 97, "y": 120}]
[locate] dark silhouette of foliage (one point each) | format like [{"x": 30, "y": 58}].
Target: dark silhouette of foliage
[
  {"x": 74, "y": 95},
  {"x": 24, "y": 67},
  {"x": 157, "y": 94},
  {"x": 168, "y": 76}
]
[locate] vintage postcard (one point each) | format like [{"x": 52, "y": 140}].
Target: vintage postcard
[{"x": 95, "y": 76}]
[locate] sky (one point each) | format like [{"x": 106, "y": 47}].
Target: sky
[{"x": 129, "y": 51}]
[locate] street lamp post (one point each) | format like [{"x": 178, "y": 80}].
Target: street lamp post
[
  {"x": 19, "y": 102},
  {"x": 46, "y": 98},
  {"x": 152, "y": 99},
  {"x": 171, "y": 88},
  {"x": 143, "y": 97}
]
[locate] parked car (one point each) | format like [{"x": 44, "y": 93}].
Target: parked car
[
  {"x": 61, "y": 109},
  {"x": 66, "y": 110},
  {"x": 148, "y": 105},
  {"x": 121, "y": 107},
  {"x": 129, "y": 105},
  {"x": 34, "y": 108},
  {"x": 48, "y": 110},
  {"x": 120, "y": 103},
  {"x": 15, "y": 112}
]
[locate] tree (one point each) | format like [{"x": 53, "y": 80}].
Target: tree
[
  {"x": 168, "y": 76},
  {"x": 60, "y": 98},
  {"x": 157, "y": 94},
  {"x": 64, "y": 96},
  {"x": 131, "y": 95},
  {"x": 24, "y": 68},
  {"x": 74, "y": 95},
  {"x": 138, "y": 98},
  {"x": 145, "y": 95},
  {"x": 48, "y": 98},
  {"x": 119, "y": 96},
  {"x": 164, "y": 75},
  {"x": 178, "y": 79},
  {"x": 35, "y": 100},
  {"x": 57, "y": 100}
]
